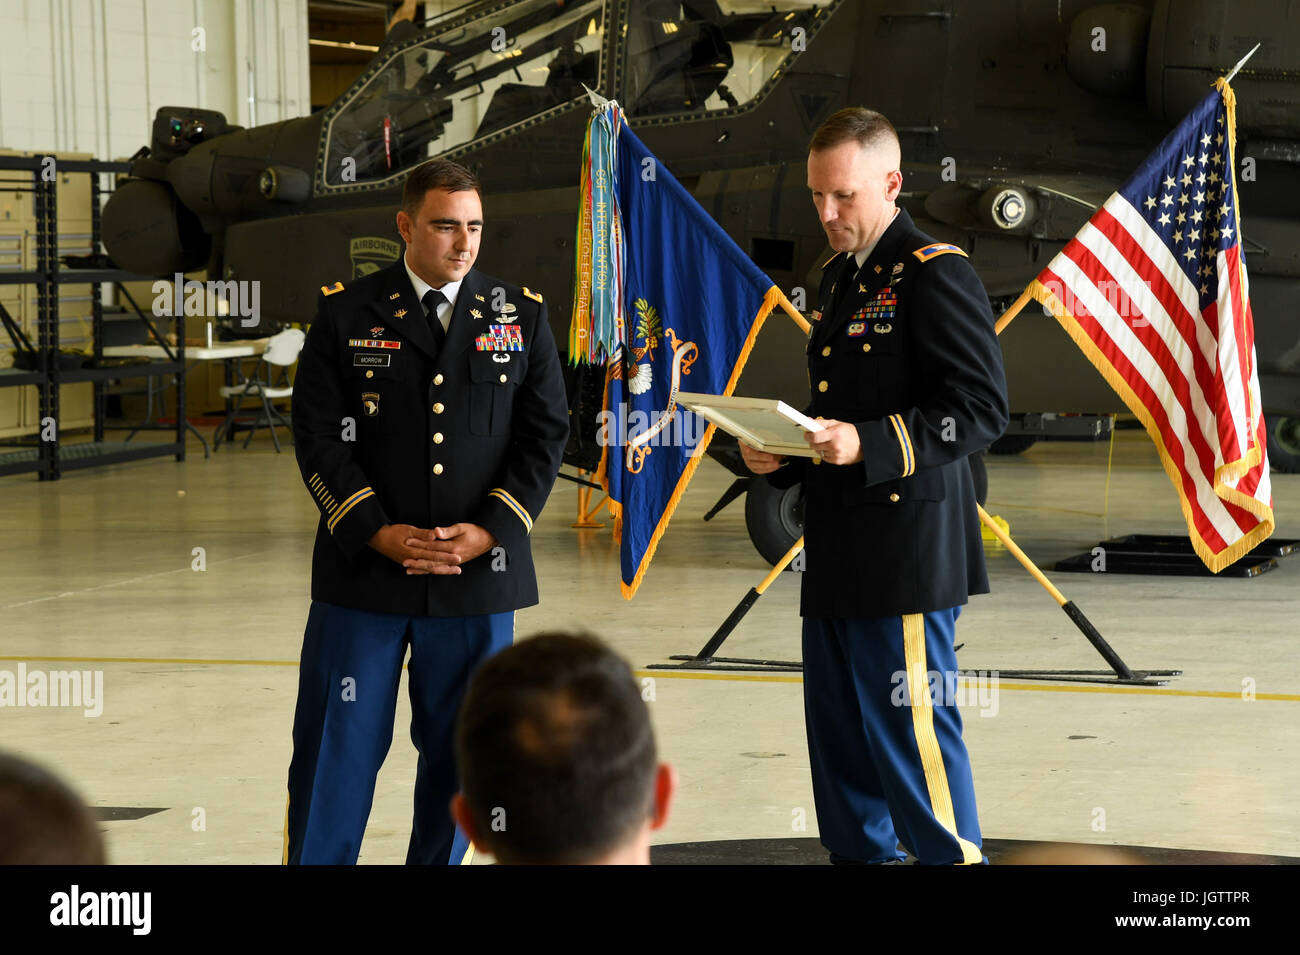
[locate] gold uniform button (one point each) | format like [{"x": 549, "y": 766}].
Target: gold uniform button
[
  {"x": 370, "y": 374},
  {"x": 866, "y": 346},
  {"x": 437, "y": 469},
  {"x": 437, "y": 407},
  {"x": 437, "y": 379},
  {"x": 894, "y": 497},
  {"x": 503, "y": 379},
  {"x": 826, "y": 351},
  {"x": 437, "y": 438},
  {"x": 822, "y": 386}
]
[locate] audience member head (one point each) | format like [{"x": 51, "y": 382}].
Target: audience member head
[
  {"x": 42, "y": 821},
  {"x": 557, "y": 757}
]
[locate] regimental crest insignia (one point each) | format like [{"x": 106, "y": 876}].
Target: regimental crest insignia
[
  {"x": 370, "y": 401},
  {"x": 376, "y": 331},
  {"x": 648, "y": 333}
]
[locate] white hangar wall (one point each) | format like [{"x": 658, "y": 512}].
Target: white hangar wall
[{"x": 87, "y": 76}]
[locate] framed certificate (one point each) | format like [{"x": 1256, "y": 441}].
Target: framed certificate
[{"x": 767, "y": 424}]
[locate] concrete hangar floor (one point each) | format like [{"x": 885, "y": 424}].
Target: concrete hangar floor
[{"x": 200, "y": 668}]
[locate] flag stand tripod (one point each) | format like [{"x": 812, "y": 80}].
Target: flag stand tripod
[{"x": 1119, "y": 674}]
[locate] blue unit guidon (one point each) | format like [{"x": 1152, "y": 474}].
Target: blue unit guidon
[{"x": 501, "y": 338}]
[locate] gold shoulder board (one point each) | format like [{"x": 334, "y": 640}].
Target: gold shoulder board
[
  {"x": 331, "y": 289},
  {"x": 535, "y": 296}
]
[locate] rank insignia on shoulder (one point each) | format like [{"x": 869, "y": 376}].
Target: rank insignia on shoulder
[
  {"x": 928, "y": 252},
  {"x": 857, "y": 329},
  {"x": 535, "y": 296},
  {"x": 331, "y": 289}
]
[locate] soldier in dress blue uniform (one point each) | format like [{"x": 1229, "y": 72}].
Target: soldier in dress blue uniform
[
  {"x": 906, "y": 374},
  {"x": 429, "y": 417}
]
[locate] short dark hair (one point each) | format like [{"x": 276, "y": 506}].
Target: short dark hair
[
  {"x": 436, "y": 174},
  {"x": 866, "y": 126},
  {"x": 554, "y": 746},
  {"x": 42, "y": 821}
]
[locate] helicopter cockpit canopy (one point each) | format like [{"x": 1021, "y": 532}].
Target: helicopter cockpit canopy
[
  {"x": 686, "y": 56},
  {"x": 519, "y": 60},
  {"x": 460, "y": 85}
]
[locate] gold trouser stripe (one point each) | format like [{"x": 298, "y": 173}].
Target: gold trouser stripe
[
  {"x": 936, "y": 778},
  {"x": 347, "y": 505},
  {"x": 284, "y": 857},
  {"x": 904, "y": 443},
  {"x": 504, "y": 495}
]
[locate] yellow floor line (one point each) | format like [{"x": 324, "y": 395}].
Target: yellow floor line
[{"x": 729, "y": 677}]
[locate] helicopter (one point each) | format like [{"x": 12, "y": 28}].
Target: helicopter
[{"x": 1014, "y": 127}]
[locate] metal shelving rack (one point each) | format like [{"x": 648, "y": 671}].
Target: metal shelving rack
[{"x": 49, "y": 458}]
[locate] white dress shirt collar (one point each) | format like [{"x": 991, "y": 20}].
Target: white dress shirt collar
[
  {"x": 449, "y": 291},
  {"x": 865, "y": 253}
]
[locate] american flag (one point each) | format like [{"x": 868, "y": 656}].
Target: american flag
[{"x": 1154, "y": 290}]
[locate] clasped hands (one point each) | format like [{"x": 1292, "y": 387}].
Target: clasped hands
[
  {"x": 838, "y": 443},
  {"x": 437, "y": 550}
]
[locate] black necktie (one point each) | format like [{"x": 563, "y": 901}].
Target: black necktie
[
  {"x": 432, "y": 299},
  {"x": 848, "y": 273}
]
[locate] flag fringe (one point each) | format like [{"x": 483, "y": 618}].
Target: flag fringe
[
  {"x": 1235, "y": 470},
  {"x": 1234, "y": 551},
  {"x": 771, "y": 299}
]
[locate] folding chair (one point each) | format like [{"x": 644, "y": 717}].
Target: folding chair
[{"x": 281, "y": 351}]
